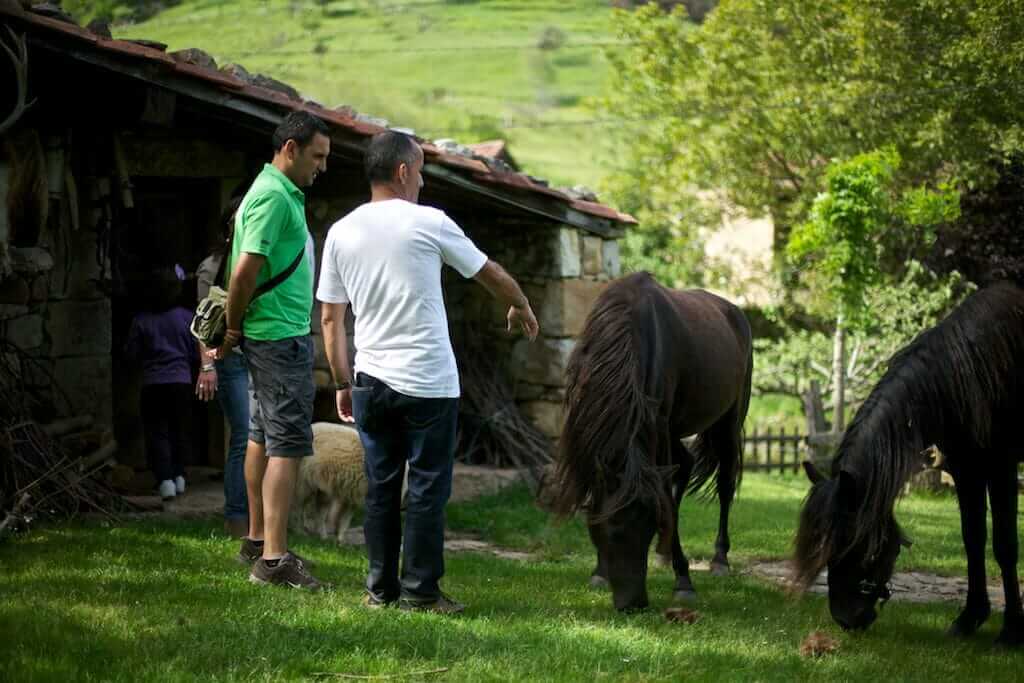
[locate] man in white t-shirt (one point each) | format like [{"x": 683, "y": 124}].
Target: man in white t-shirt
[{"x": 384, "y": 259}]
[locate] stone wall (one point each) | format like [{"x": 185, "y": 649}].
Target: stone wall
[
  {"x": 55, "y": 321},
  {"x": 562, "y": 270}
]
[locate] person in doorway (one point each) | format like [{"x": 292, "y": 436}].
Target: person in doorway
[
  {"x": 228, "y": 380},
  {"x": 159, "y": 340},
  {"x": 384, "y": 259},
  {"x": 269, "y": 248}
]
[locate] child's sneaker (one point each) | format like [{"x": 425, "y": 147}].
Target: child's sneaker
[
  {"x": 167, "y": 489},
  {"x": 179, "y": 484}
]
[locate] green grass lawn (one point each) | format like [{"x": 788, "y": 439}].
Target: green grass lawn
[
  {"x": 166, "y": 601},
  {"x": 467, "y": 69}
]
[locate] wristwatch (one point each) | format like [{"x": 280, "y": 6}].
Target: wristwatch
[{"x": 342, "y": 386}]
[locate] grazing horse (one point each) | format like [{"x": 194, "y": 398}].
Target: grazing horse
[
  {"x": 958, "y": 386},
  {"x": 652, "y": 366}
]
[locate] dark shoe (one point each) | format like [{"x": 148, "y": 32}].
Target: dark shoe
[
  {"x": 371, "y": 601},
  {"x": 290, "y": 571},
  {"x": 252, "y": 551},
  {"x": 443, "y": 605}
]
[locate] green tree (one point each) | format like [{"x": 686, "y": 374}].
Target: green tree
[
  {"x": 754, "y": 102},
  {"x": 840, "y": 250}
]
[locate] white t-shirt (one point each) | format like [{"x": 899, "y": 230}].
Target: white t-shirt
[{"x": 385, "y": 259}]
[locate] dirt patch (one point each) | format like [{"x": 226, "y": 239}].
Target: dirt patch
[
  {"x": 205, "y": 494},
  {"x": 906, "y": 586}
]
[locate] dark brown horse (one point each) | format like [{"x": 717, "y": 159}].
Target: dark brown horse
[
  {"x": 959, "y": 386},
  {"x": 652, "y": 366}
]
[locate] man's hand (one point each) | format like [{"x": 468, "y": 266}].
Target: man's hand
[
  {"x": 231, "y": 339},
  {"x": 522, "y": 317},
  {"x": 344, "y": 399},
  {"x": 206, "y": 385}
]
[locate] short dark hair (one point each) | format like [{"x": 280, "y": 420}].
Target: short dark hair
[
  {"x": 300, "y": 126},
  {"x": 384, "y": 154}
]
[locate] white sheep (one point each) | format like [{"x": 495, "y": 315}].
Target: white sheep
[{"x": 332, "y": 483}]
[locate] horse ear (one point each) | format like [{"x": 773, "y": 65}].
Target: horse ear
[
  {"x": 846, "y": 491},
  {"x": 813, "y": 473}
]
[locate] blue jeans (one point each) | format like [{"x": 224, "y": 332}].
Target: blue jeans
[
  {"x": 233, "y": 395},
  {"x": 397, "y": 430}
]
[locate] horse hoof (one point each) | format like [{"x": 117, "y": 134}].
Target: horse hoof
[
  {"x": 598, "y": 582},
  {"x": 719, "y": 569},
  {"x": 685, "y": 597}
]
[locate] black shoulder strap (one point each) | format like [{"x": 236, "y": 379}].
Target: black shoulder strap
[
  {"x": 218, "y": 279},
  {"x": 280, "y": 277}
]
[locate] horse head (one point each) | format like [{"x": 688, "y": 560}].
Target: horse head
[
  {"x": 623, "y": 525},
  {"x": 860, "y": 560}
]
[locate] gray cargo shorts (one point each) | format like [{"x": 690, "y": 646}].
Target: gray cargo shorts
[{"x": 281, "y": 403}]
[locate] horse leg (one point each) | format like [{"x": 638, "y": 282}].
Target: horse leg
[
  {"x": 727, "y": 443},
  {"x": 1002, "y": 491},
  {"x": 970, "y": 493},
  {"x": 599, "y": 577},
  {"x": 683, "y": 590}
]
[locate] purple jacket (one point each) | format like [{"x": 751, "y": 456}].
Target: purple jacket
[{"x": 162, "y": 343}]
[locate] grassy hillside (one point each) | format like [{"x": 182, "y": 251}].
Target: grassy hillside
[{"x": 466, "y": 69}]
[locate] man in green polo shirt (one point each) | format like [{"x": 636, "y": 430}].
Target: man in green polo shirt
[{"x": 270, "y": 240}]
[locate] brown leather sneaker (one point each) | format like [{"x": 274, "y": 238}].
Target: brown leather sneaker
[
  {"x": 252, "y": 551},
  {"x": 443, "y": 605},
  {"x": 290, "y": 572}
]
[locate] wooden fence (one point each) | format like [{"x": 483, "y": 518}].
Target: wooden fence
[{"x": 774, "y": 451}]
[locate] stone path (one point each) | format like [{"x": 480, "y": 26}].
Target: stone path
[
  {"x": 906, "y": 586},
  {"x": 205, "y": 498}
]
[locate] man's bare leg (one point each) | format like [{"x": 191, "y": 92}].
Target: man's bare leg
[
  {"x": 255, "y": 469},
  {"x": 278, "y": 486}
]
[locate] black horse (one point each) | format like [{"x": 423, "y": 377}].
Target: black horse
[
  {"x": 959, "y": 386},
  {"x": 652, "y": 366}
]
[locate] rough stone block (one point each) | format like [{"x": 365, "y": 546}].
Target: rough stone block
[
  {"x": 319, "y": 353},
  {"x": 569, "y": 260},
  {"x": 85, "y": 270},
  {"x": 25, "y": 332},
  {"x": 8, "y": 311},
  {"x": 593, "y": 256},
  {"x": 323, "y": 380},
  {"x": 40, "y": 290},
  {"x": 31, "y": 260},
  {"x": 529, "y": 392},
  {"x": 565, "y": 304},
  {"x": 610, "y": 255},
  {"x": 546, "y": 361},
  {"x": 87, "y": 382},
  {"x": 15, "y": 290},
  {"x": 545, "y": 415},
  {"x": 79, "y": 328}
]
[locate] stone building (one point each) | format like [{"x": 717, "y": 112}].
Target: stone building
[{"x": 123, "y": 161}]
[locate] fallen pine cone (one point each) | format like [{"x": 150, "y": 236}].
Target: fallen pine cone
[
  {"x": 681, "y": 615},
  {"x": 817, "y": 644}
]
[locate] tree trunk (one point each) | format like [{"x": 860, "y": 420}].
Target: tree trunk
[{"x": 839, "y": 376}]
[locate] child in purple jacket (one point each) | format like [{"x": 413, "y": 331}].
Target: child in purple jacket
[{"x": 159, "y": 340}]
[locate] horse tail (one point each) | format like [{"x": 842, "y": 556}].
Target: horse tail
[
  {"x": 614, "y": 448},
  {"x": 718, "y": 452}
]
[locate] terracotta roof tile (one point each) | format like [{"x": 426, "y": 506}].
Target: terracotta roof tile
[{"x": 479, "y": 170}]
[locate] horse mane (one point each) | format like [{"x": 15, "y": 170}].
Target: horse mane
[
  {"x": 614, "y": 428},
  {"x": 950, "y": 381}
]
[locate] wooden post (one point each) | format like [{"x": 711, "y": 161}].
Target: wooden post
[{"x": 783, "y": 446}]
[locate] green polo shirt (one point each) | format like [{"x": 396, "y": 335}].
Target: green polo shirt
[{"x": 271, "y": 221}]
